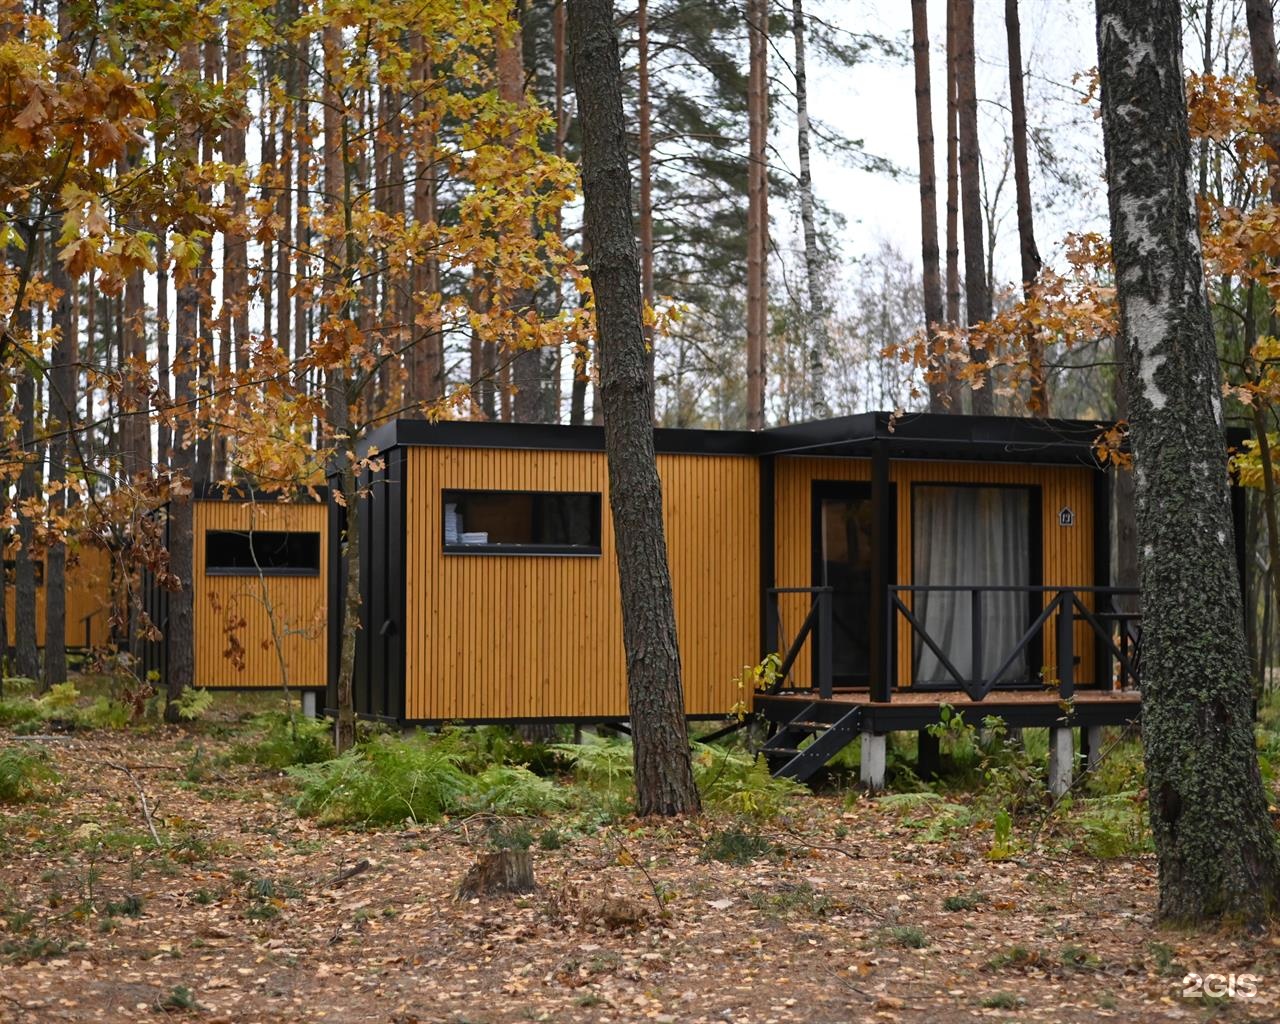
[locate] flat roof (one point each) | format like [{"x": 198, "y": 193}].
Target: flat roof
[{"x": 910, "y": 435}]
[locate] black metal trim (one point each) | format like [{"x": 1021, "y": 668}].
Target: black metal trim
[
  {"x": 851, "y": 490},
  {"x": 523, "y": 550},
  {"x": 768, "y": 555},
  {"x": 1102, "y": 484},
  {"x": 251, "y": 571}
]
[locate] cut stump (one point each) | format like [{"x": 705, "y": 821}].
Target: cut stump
[{"x": 503, "y": 871}]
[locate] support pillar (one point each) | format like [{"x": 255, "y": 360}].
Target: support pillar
[
  {"x": 1062, "y": 752},
  {"x": 1092, "y": 737},
  {"x": 309, "y": 703},
  {"x": 928, "y": 756},
  {"x": 873, "y": 760}
]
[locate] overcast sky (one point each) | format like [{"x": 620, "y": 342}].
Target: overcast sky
[{"x": 875, "y": 102}]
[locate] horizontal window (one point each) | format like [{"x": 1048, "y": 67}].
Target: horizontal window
[
  {"x": 274, "y": 552},
  {"x": 521, "y": 522}
]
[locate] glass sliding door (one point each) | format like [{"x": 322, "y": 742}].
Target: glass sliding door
[
  {"x": 842, "y": 541},
  {"x": 973, "y": 536}
]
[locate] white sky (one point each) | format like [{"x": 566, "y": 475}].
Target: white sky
[{"x": 875, "y": 102}]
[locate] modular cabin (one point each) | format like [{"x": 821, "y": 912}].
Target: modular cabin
[
  {"x": 891, "y": 564},
  {"x": 88, "y": 600},
  {"x": 259, "y": 593}
]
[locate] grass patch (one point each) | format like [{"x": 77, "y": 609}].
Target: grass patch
[
  {"x": 734, "y": 846},
  {"x": 1001, "y": 1001},
  {"x": 909, "y": 936},
  {"x": 965, "y": 901},
  {"x": 798, "y": 900},
  {"x": 24, "y": 773},
  {"x": 1014, "y": 956}
]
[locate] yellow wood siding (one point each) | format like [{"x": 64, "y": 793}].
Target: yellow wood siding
[
  {"x": 509, "y": 636},
  {"x": 298, "y": 602},
  {"x": 1067, "y": 551},
  {"x": 88, "y": 595}
]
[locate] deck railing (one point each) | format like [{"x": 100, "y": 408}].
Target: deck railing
[
  {"x": 1117, "y": 632},
  {"x": 817, "y": 624}
]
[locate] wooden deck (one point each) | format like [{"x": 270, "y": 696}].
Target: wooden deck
[{"x": 914, "y": 709}]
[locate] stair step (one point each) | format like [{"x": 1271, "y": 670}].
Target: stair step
[
  {"x": 809, "y": 726},
  {"x": 781, "y": 751}
]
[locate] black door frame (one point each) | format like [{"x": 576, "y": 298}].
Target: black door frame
[{"x": 858, "y": 490}]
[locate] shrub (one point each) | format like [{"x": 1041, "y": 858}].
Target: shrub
[
  {"x": 285, "y": 741},
  {"x": 736, "y": 782},
  {"x": 600, "y": 763},
  {"x": 17, "y": 711},
  {"x": 386, "y": 781},
  {"x": 514, "y": 789},
  {"x": 23, "y": 773}
]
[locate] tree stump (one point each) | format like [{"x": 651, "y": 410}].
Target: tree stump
[{"x": 503, "y": 871}]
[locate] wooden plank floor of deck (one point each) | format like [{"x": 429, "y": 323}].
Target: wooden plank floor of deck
[{"x": 957, "y": 698}]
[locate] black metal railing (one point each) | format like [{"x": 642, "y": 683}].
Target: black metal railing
[
  {"x": 1116, "y": 630},
  {"x": 817, "y": 623}
]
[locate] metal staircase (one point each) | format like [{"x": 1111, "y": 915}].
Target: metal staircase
[{"x": 831, "y": 726}]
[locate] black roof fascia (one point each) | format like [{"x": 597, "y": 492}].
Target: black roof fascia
[
  {"x": 226, "y": 490},
  {"x": 938, "y": 436},
  {"x": 550, "y": 437},
  {"x": 911, "y": 435}
]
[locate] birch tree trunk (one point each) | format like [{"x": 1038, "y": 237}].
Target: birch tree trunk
[
  {"x": 757, "y": 209},
  {"x": 954, "y": 392},
  {"x": 1215, "y": 845},
  {"x": 1030, "y": 255},
  {"x": 663, "y": 769},
  {"x": 819, "y": 340},
  {"x": 932, "y": 279},
  {"x": 977, "y": 290}
]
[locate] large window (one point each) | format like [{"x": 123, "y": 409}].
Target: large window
[
  {"x": 521, "y": 522},
  {"x": 274, "y": 552},
  {"x": 973, "y": 537}
]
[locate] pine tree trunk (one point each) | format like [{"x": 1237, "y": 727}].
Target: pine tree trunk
[
  {"x": 60, "y": 412},
  {"x": 645, "y": 145},
  {"x": 1215, "y": 844},
  {"x": 179, "y": 630},
  {"x": 977, "y": 291},
  {"x": 757, "y": 209},
  {"x": 26, "y": 654},
  {"x": 932, "y": 276},
  {"x": 663, "y": 770},
  {"x": 1030, "y": 255},
  {"x": 1262, "y": 47}
]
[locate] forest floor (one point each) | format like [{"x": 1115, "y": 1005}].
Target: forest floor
[{"x": 840, "y": 910}]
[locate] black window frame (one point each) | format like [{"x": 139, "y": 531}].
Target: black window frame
[
  {"x": 266, "y": 570},
  {"x": 529, "y": 550}
]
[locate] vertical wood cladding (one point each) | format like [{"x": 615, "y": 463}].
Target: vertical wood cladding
[
  {"x": 238, "y": 605},
  {"x": 540, "y": 636},
  {"x": 1067, "y": 550},
  {"x": 88, "y": 597}
]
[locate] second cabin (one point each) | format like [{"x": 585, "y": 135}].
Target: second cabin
[
  {"x": 892, "y": 566},
  {"x": 259, "y": 593}
]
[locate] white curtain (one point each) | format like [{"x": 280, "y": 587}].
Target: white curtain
[{"x": 970, "y": 536}]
